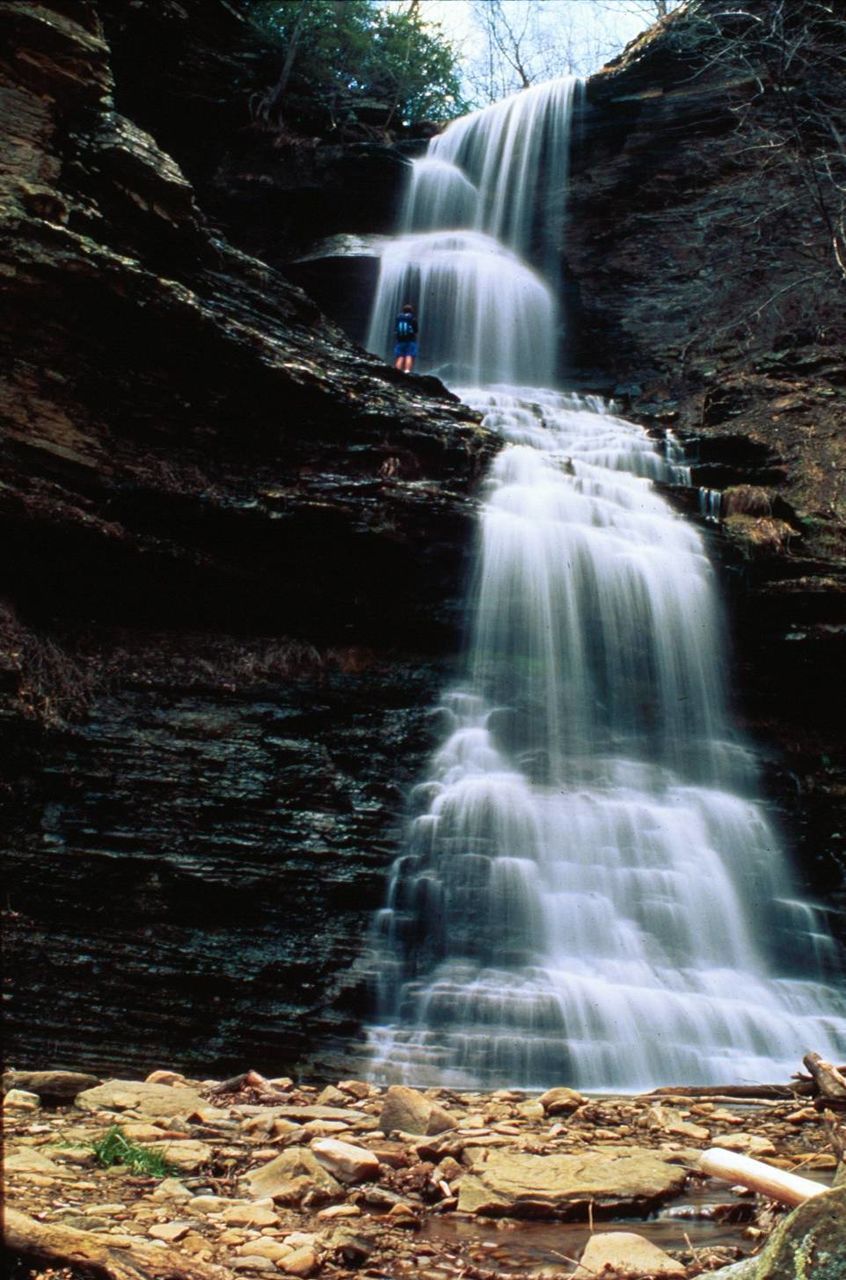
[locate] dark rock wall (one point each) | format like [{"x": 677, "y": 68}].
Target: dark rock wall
[{"x": 235, "y": 549}]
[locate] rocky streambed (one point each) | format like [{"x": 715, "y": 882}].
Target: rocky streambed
[{"x": 262, "y": 1176}]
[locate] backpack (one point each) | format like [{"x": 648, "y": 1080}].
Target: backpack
[{"x": 405, "y": 328}]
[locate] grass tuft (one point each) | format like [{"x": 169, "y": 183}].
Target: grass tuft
[{"x": 115, "y": 1148}]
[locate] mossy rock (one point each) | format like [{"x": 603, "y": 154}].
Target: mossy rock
[{"x": 810, "y": 1244}]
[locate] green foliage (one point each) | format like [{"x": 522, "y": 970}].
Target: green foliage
[
  {"x": 356, "y": 54},
  {"x": 115, "y": 1148}
]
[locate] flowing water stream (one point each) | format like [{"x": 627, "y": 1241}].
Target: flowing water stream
[{"x": 589, "y": 892}]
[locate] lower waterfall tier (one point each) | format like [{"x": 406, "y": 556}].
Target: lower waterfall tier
[{"x": 589, "y": 891}]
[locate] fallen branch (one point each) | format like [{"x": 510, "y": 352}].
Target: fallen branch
[
  {"x": 732, "y": 1091},
  {"x": 246, "y": 1080},
  {"x": 760, "y": 1177},
  {"x": 65, "y": 1246}
]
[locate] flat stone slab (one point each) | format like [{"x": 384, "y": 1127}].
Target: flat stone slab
[
  {"x": 348, "y": 1114},
  {"x": 517, "y": 1185},
  {"x": 26, "y": 1160},
  {"x": 148, "y": 1099}
]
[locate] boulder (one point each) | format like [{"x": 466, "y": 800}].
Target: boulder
[
  {"x": 60, "y": 1085},
  {"x": 626, "y": 1252},
  {"x": 291, "y": 1177},
  {"x": 346, "y": 1162},
  {"x": 148, "y": 1099},
  {"x": 515, "y": 1184},
  {"x": 560, "y": 1101},
  {"x": 412, "y": 1112},
  {"x": 809, "y": 1243}
]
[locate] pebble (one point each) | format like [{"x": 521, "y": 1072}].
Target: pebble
[
  {"x": 339, "y": 1211},
  {"x": 259, "y": 1214},
  {"x": 253, "y": 1264},
  {"x": 171, "y": 1189},
  {"x": 272, "y": 1249},
  {"x": 170, "y": 1232},
  {"x": 302, "y": 1262}
]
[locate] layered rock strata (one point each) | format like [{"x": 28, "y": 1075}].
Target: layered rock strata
[{"x": 235, "y": 549}]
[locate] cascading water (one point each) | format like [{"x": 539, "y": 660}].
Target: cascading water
[{"x": 588, "y": 893}]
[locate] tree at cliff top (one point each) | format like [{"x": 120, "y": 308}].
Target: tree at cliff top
[
  {"x": 523, "y": 42},
  {"x": 365, "y": 62}
]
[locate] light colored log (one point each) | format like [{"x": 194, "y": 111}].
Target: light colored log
[
  {"x": 778, "y": 1184},
  {"x": 66, "y": 1246}
]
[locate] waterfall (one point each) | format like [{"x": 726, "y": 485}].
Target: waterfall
[{"x": 589, "y": 892}]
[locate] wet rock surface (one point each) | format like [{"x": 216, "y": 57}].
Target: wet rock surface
[
  {"x": 248, "y": 1188},
  {"x": 810, "y": 1242}
]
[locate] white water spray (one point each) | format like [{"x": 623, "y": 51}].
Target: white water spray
[{"x": 589, "y": 894}]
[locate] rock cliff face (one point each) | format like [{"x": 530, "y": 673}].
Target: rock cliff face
[
  {"x": 234, "y": 549},
  {"x": 237, "y": 543}
]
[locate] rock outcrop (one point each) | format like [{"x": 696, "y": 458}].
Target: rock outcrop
[{"x": 219, "y": 514}]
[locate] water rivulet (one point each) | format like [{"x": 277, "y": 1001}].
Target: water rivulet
[{"x": 589, "y": 892}]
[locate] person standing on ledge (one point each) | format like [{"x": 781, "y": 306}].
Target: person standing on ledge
[{"x": 406, "y": 344}]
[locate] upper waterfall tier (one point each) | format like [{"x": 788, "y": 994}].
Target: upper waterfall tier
[
  {"x": 482, "y": 221},
  {"x": 515, "y": 154}
]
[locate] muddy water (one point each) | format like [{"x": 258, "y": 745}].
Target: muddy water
[{"x": 707, "y": 1217}]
